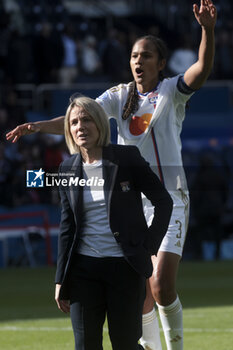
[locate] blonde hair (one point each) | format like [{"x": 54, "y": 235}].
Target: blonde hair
[{"x": 97, "y": 114}]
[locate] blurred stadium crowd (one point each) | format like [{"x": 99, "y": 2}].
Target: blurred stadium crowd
[{"x": 46, "y": 42}]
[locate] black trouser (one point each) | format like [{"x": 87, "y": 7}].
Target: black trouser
[{"x": 106, "y": 286}]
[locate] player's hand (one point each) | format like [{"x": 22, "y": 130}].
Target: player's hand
[
  {"x": 21, "y": 130},
  {"x": 206, "y": 15},
  {"x": 63, "y": 305}
]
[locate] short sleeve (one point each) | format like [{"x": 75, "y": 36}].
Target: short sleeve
[
  {"x": 183, "y": 87},
  {"x": 108, "y": 100}
]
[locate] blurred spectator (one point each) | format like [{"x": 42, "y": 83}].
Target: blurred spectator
[
  {"x": 91, "y": 64},
  {"x": 209, "y": 197},
  {"x": 6, "y": 176},
  {"x": 47, "y": 55},
  {"x": 183, "y": 56},
  {"x": 114, "y": 56},
  {"x": 69, "y": 69},
  {"x": 19, "y": 194},
  {"x": 53, "y": 146},
  {"x": 11, "y": 111},
  {"x": 4, "y": 43},
  {"x": 224, "y": 54},
  {"x": 19, "y": 70},
  {"x": 13, "y": 8},
  {"x": 3, "y": 121}
]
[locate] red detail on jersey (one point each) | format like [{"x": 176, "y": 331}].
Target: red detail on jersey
[{"x": 138, "y": 125}]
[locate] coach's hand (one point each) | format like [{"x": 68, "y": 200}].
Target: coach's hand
[
  {"x": 21, "y": 130},
  {"x": 63, "y": 305}
]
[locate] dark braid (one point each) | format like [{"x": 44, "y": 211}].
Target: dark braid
[{"x": 131, "y": 105}]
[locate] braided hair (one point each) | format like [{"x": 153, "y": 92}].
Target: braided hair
[{"x": 131, "y": 105}]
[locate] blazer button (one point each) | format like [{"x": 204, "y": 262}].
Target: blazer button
[{"x": 116, "y": 234}]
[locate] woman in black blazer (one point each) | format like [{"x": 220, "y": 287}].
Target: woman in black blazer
[{"x": 105, "y": 245}]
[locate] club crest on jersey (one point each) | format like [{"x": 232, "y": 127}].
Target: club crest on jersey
[
  {"x": 125, "y": 186},
  {"x": 153, "y": 97}
]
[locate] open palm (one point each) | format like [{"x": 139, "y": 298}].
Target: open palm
[{"x": 206, "y": 15}]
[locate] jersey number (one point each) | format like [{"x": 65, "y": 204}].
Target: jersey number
[{"x": 179, "y": 228}]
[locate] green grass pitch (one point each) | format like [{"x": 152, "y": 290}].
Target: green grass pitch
[{"x": 30, "y": 320}]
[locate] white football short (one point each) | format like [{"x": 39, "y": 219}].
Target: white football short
[{"x": 173, "y": 241}]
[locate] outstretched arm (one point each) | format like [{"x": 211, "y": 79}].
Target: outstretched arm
[
  {"x": 53, "y": 126},
  {"x": 198, "y": 73}
]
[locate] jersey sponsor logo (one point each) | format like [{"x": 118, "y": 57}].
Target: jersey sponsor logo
[
  {"x": 178, "y": 244},
  {"x": 153, "y": 97},
  {"x": 138, "y": 125}
]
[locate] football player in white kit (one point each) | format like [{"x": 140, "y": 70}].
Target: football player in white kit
[{"x": 149, "y": 112}]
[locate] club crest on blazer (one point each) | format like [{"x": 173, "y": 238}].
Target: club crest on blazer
[{"x": 125, "y": 186}]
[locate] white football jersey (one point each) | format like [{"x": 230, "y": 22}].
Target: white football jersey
[{"x": 155, "y": 128}]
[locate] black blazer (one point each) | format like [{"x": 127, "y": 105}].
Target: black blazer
[{"x": 126, "y": 174}]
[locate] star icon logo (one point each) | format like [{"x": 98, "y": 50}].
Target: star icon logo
[
  {"x": 35, "y": 178},
  {"x": 39, "y": 174}
]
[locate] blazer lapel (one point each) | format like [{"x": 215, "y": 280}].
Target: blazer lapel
[
  {"x": 76, "y": 191},
  {"x": 109, "y": 175}
]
